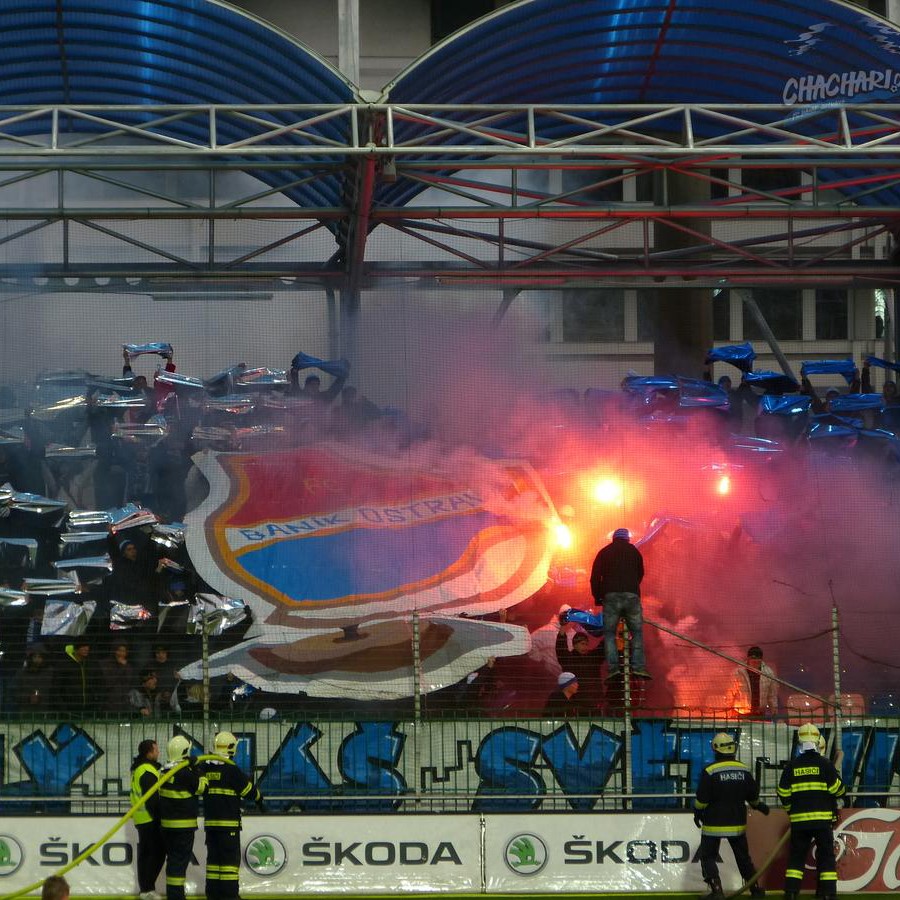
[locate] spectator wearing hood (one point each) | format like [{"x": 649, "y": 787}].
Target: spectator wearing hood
[
  {"x": 34, "y": 682},
  {"x": 581, "y": 654},
  {"x": 118, "y": 677}
]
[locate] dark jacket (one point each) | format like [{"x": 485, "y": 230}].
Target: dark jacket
[
  {"x": 179, "y": 798},
  {"x": 227, "y": 788},
  {"x": 726, "y": 787},
  {"x": 808, "y": 790},
  {"x": 618, "y": 567},
  {"x": 76, "y": 685}
]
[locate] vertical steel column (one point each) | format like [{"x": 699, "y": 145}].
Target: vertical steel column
[
  {"x": 836, "y": 661},
  {"x": 348, "y": 39}
]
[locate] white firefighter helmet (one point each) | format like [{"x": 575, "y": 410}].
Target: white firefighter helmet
[
  {"x": 225, "y": 744},
  {"x": 724, "y": 743},
  {"x": 178, "y": 748}
]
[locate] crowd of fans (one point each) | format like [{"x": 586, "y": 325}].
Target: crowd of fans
[{"x": 100, "y": 443}]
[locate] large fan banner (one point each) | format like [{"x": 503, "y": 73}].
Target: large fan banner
[{"x": 334, "y": 550}]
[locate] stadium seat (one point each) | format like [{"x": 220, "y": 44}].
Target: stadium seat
[
  {"x": 803, "y": 708},
  {"x": 851, "y": 704}
]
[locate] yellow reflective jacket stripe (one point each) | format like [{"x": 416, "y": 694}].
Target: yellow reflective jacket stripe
[{"x": 178, "y": 823}]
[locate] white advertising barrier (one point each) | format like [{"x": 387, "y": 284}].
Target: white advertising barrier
[
  {"x": 868, "y": 850},
  {"x": 280, "y": 855},
  {"x": 593, "y": 853}
]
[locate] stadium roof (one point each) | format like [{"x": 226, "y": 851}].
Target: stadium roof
[
  {"x": 153, "y": 52},
  {"x": 824, "y": 58}
]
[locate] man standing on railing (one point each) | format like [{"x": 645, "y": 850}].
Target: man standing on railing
[
  {"x": 720, "y": 811},
  {"x": 228, "y": 787},
  {"x": 808, "y": 790},
  {"x": 616, "y": 585}
]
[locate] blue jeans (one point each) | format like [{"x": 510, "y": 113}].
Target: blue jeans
[{"x": 623, "y": 605}]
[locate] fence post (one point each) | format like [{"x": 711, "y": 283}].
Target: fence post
[
  {"x": 627, "y": 784},
  {"x": 836, "y": 662},
  {"x": 204, "y": 655}
]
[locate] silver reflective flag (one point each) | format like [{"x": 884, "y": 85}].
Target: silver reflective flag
[
  {"x": 170, "y": 536},
  {"x": 216, "y": 614},
  {"x": 33, "y": 503},
  {"x": 120, "y": 401},
  {"x": 58, "y": 451},
  {"x": 261, "y": 378},
  {"x": 160, "y": 348},
  {"x": 84, "y": 562},
  {"x": 66, "y": 617},
  {"x": 48, "y": 587},
  {"x": 140, "y": 429},
  {"x": 123, "y": 616},
  {"x": 237, "y": 405},
  {"x": 9, "y": 597},
  {"x": 177, "y": 380}
]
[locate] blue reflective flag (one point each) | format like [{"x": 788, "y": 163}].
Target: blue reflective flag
[
  {"x": 699, "y": 392},
  {"x": 882, "y": 363},
  {"x": 844, "y": 367},
  {"x": 829, "y": 426},
  {"x": 646, "y": 384},
  {"x": 792, "y": 405},
  {"x": 591, "y": 622},
  {"x": 339, "y": 368},
  {"x": 772, "y": 382},
  {"x": 739, "y": 355},
  {"x": 855, "y": 402}
]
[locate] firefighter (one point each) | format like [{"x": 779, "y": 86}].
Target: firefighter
[
  {"x": 720, "y": 811},
  {"x": 228, "y": 787},
  {"x": 808, "y": 789},
  {"x": 151, "y": 851},
  {"x": 179, "y": 804}
]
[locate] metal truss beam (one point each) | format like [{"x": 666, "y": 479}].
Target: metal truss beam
[
  {"x": 481, "y": 163},
  {"x": 307, "y": 131}
]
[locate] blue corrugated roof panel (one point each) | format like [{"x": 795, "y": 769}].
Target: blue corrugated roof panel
[
  {"x": 146, "y": 52},
  {"x": 658, "y": 51}
]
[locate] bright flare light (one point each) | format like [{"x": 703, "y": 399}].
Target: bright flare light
[
  {"x": 608, "y": 490},
  {"x": 564, "y": 538},
  {"x": 723, "y": 486}
]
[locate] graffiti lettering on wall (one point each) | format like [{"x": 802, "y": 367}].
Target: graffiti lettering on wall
[{"x": 376, "y": 767}]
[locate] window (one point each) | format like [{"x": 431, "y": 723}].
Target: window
[
  {"x": 594, "y": 315},
  {"x": 782, "y": 309},
  {"x": 721, "y": 316},
  {"x": 647, "y": 315},
  {"x": 831, "y": 315},
  {"x": 770, "y": 181},
  {"x": 580, "y": 180}
]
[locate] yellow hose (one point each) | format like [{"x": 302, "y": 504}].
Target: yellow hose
[
  {"x": 762, "y": 869},
  {"x": 82, "y": 857}
]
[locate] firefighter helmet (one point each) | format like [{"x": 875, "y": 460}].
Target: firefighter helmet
[
  {"x": 225, "y": 744},
  {"x": 725, "y": 744},
  {"x": 808, "y": 733},
  {"x": 178, "y": 748}
]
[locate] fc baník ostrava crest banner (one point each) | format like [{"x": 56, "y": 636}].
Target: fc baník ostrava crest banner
[{"x": 335, "y": 549}]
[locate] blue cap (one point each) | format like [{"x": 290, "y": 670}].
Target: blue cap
[
  {"x": 564, "y": 679},
  {"x": 621, "y": 534}
]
